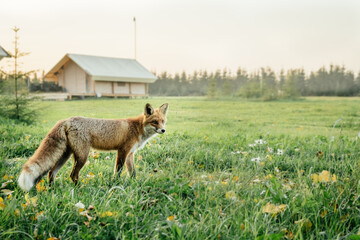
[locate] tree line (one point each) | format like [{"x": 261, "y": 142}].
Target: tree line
[{"x": 334, "y": 80}]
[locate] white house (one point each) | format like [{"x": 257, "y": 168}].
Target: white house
[
  {"x": 3, "y": 53},
  {"x": 84, "y": 75}
]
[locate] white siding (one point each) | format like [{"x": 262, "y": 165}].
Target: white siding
[
  {"x": 74, "y": 78},
  {"x": 60, "y": 77},
  {"x": 121, "y": 88},
  {"x": 103, "y": 87},
  {"x": 138, "y": 88}
]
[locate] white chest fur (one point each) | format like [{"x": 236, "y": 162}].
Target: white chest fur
[{"x": 142, "y": 141}]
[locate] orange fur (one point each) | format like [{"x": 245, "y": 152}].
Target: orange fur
[{"x": 76, "y": 135}]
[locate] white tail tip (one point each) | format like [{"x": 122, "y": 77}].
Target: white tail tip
[{"x": 26, "y": 181}]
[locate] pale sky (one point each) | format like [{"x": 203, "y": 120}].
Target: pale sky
[{"x": 177, "y": 35}]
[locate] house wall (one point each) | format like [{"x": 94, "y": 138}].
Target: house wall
[
  {"x": 89, "y": 84},
  {"x": 61, "y": 79},
  {"x": 103, "y": 87},
  {"x": 121, "y": 88},
  {"x": 74, "y": 78},
  {"x": 138, "y": 88}
]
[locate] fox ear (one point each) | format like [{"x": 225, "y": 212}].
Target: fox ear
[
  {"x": 164, "y": 108},
  {"x": 148, "y": 111}
]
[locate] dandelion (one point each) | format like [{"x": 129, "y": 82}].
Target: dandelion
[
  {"x": 323, "y": 177},
  {"x": 40, "y": 187},
  {"x": 2, "y": 205},
  {"x": 90, "y": 175},
  {"x": 270, "y": 176},
  {"x": 95, "y": 155},
  {"x": 230, "y": 195},
  {"x": 273, "y": 209},
  {"x": 224, "y": 182},
  {"x": 235, "y": 179},
  {"x": 171, "y": 218},
  {"x": 30, "y": 200},
  {"x": 106, "y": 214},
  {"x": 6, "y": 177},
  {"x": 17, "y": 212}
]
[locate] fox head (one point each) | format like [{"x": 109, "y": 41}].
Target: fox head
[{"x": 155, "y": 120}]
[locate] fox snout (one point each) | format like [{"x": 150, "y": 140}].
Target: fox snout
[{"x": 161, "y": 131}]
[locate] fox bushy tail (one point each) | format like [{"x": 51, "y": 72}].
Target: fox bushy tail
[{"x": 51, "y": 149}]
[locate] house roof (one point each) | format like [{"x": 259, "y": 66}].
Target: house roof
[
  {"x": 106, "y": 68},
  {"x": 3, "y": 53}
]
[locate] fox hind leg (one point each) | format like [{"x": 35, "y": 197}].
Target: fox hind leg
[
  {"x": 79, "y": 161},
  {"x": 58, "y": 165}
]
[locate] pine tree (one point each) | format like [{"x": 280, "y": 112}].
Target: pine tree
[
  {"x": 17, "y": 106},
  {"x": 212, "y": 88}
]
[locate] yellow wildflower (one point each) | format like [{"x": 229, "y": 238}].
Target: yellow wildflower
[{"x": 171, "y": 218}]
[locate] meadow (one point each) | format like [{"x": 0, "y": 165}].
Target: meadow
[{"x": 224, "y": 169}]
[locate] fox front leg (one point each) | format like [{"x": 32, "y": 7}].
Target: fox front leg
[
  {"x": 130, "y": 165},
  {"x": 120, "y": 160}
]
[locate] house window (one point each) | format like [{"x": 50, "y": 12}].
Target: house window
[{"x": 121, "y": 84}]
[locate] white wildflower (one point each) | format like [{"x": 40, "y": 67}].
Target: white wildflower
[
  {"x": 280, "y": 152},
  {"x": 257, "y": 160},
  {"x": 263, "y": 192},
  {"x": 79, "y": 205},
  {"x": 297, "y": 149},
  {"x": 270, "y": 150},
  {"x": 252, "y": 145},
  {"x": 260, "y": 141}
]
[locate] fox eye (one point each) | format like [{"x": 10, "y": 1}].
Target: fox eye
[{"x": 155, "y": 122}]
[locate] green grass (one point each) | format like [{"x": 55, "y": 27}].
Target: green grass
[{"x": 198, "y": 181}]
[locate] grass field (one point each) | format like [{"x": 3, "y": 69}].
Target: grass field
[{"x": 225, "y": 169}]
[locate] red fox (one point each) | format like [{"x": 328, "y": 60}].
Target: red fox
[{"x": 77, "y": 134}]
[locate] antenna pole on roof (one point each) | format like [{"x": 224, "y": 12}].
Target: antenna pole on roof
[{"x": 134, "y": 38}]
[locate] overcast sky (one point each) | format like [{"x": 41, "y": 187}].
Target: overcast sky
[{"x": 188, "y": 35}]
